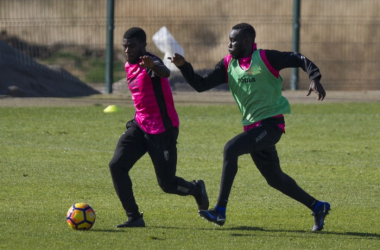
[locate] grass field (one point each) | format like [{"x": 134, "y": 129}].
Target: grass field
[{"x": 51, "y": 158}]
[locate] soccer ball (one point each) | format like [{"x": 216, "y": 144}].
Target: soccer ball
[{"x": 80, "y": 216}]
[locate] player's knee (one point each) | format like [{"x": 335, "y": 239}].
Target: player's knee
[
  {"x": 275, "y": 180},
  {"x": 115, "y": 166},
  {"x": 229, "y": 149},
  {"x": 272, "y": 182},
  {"x": 166, "y": 187},
  {"x": 112, "y": 165}
]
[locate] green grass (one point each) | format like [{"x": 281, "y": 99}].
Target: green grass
[{"x": 51, "y": 158}]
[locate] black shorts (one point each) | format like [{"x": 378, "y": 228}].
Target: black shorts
[{"x": 162, "y": 149}]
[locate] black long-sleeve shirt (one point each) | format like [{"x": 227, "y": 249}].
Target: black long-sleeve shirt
[{"x": 278, "y": 60}]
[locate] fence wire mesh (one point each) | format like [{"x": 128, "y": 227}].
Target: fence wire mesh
[{"x": 342, "y": 37}]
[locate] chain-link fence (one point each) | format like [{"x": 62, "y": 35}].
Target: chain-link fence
[{"x": 342, "y": 37}]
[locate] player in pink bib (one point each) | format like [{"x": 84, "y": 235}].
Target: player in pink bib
[{"x": 154, "y": 130}]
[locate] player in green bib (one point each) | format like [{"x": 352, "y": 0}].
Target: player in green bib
[
  {"x": 256, "y": 90},
  {"x": 255, "y": 83}
]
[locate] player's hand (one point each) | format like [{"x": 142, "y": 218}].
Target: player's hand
[
  {"x": 317, "y": 87},
  {"x": 147, "y": 62},
  {"x": 177, "y": 59}
]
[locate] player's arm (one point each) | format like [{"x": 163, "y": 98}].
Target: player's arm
[
  {"x": 281, "y": 60},
  {"x": 200, "y": 83},
  {"x": 157, "y": 66}
]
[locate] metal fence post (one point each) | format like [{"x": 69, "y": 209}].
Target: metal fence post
[
  {"x": 295, "y": 41},
  {"x": 109, "y": 46}
]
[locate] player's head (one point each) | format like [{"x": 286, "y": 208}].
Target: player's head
[
  {"x": 134, "y": 43},
  {"x": 242, "y": 38}
]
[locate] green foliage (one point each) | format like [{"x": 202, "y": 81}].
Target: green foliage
[
  {"x": 62, "y": 55},
  {"x": 51, "y": 158},
  {"x": 88, "y": 69},
  {"x": 96, "y": 72}
]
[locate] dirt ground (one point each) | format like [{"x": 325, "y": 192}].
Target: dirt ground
[{"x": 188, "y": 97}]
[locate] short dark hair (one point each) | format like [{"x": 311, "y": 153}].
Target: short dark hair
[
  {"x": 247, "y": 29},
  {"x": 136, "y": 32}
]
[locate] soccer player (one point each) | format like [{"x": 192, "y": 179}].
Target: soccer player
[
  {"x": 253, "y": 78},
  {"x": 154, "y": 129}
]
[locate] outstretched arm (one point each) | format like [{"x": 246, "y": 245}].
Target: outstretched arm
[
  {"x": 317, "y": 88},
  {"x": 158, "y": 68},
  {"x": 280, "y": 60},
  {"x": 200, "y": 83}
]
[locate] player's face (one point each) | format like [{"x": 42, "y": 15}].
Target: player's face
[
  {"x": 238, "y": 44},
  {"x": 133, "y": 49}
]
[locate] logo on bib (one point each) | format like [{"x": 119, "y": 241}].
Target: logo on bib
[{"x": 246, "y": 80}]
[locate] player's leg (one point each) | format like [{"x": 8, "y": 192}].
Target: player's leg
[
  {"x": 130, "y": 147},
  {"x": 268, "y": 163},
  {"x": 252, "y": 140},
  {"x": 162, "y": 149}
]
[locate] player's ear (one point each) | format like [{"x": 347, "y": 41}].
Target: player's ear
[
  {"x": 248, "y": 41},
  {"x": 143, "y": 48}
]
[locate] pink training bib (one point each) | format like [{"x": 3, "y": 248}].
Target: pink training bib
[{"x": 153, "y": 100}]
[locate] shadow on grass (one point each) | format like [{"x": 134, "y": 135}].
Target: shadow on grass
[
  {"x": 252, "y": 229},
  {"x": 358, "y": 234},
  {"x": 108, "y": 230},
  {"x": 244, "y": 228},
  {"x": 123, "y": 230}
]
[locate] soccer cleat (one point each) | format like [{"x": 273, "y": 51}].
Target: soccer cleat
[
  {"x": 201, "y": 198},
  {"x": 321, "y": 210},
  {"x": 216, "y": 215},
  {"x": 133, "y": 222}
]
